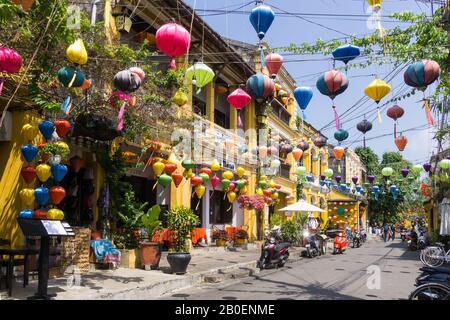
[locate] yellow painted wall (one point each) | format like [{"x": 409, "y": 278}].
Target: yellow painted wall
[{"x": 11, "y": 182}]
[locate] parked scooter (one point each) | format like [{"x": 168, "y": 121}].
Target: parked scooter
[
  {"x": 357, "y": 242},
  {"x": 312, "y": 245},
  {"x": 340, "y": 243},
  {"x": 363, "y": 235},
  {"x": 403, "y": 234},
  {"x": 274, "y": 254}
]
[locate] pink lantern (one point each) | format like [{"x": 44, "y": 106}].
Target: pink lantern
[
  {"x": 274, "y": 62},
  {"x": 239, "y": 99},
  {"x": 10, "y": 62},
  {"x": 174, "y": 40},
  {"x": 215, "y": 182}
]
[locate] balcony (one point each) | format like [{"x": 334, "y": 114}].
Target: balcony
[
  {"x": 280, "y": 112},
  {"x": 285, "y": 171}
]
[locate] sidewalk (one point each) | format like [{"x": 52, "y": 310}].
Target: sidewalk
[{"x": 213, "y": 265}]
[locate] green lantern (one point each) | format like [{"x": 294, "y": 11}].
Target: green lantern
[
  {"x": 262, "y": 184},
  {"x": 328, "y": 173},
  {"x": 225, "y": 184},
  {"x": 240, "y": 184},
  {"x": 164, "y": 180},
  {"x": 188, "y": 164},
  {"x": 71, "y": 77},
  {"x": 204, "y": 176},
  {"x": 417, "y": 169},
  {"x": 200, "y": 75},
  {"x": 387, "y": 171},
  {"x": 301, "y": 171},
  {"x": 444, "y": 164}
]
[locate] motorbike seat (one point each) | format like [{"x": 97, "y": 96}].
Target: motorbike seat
[{"x": 280, "y": 246}]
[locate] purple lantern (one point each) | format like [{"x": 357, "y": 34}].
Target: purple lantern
[
  {"x": 322, "y": 177},
  {"x": 427, "y": 167},
  {"x": 371, "y": 178},
  {"x": 405, "y": 172},
  {"x": 338, "y": 179},
  {"x": 355, "y": 179}
]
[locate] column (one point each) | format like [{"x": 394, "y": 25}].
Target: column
[{"x": 210, "y": 102}]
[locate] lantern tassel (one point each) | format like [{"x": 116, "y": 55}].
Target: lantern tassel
[
  {"x": 263, "y": 58},
  {"x": 380, "y": 120},
  {"x": 65, "y": 104},
  {"x": 240, "y": 124},
  {"x": 337, "y": 120},
  {"x": 395, "y": 130},
  {"x": 73, "y": 79},
  {"x": 430, "y": 120},
  {"x": 212, "y": 193},
  {"x": 154, "y": 186},
  {"x": 173, "y": 64},
  {"x": 364, "y": 141},
  {"x": 120, "y": 117},
  {"x": 231, "y": 206},
  {"x": 198, "y": 203},
  {"x": 2, "y": 81},
  {"x": 303, "y": 115}
]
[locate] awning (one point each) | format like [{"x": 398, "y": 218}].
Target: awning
[{"x": 301, "y": 206}]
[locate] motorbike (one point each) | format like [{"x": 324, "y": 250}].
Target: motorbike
[
  {"x": 416, "y": 242},
  {"x": 403, "y": 234},
  {"x": 273, "y": 254},
  {"x": 340, "y": 243},
  {"x": 357, "y": 242},
  {"x": 312, "y": 245},
  {"x": 363, "y": 235}
]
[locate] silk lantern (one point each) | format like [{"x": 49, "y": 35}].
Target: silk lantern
[
  {"x": 164, "y": 180},
  {"x": 239, "y": 99},
  {"x": 71, "y": 77},
  {"x": 46, "y": 128},
  {"x": 377, "y": 90},
  {"x": 57, "y": 194},
  {"x": 259, "y": 87},
  {"x": 177, "y": 178},
  {"x": 59, "y": 171},
  {"x": 346, "y": 53},
  {"x": 76, "y": 52},
  {"x": 338, "y": 152},
  {"x": 29, "y": 131},
  {"x": 27, "y": 197},
  {"x": 200, "y": 75},
  {"x": 401, "y": 142},
  {"x": 29, "y": 152},
  {"x": 274, "y": 62},
  {"x": 303, "y": 96},
  {"x": 62, "y": 127},
  {"x": 41, "y": 195},
  {"x": 364, "y": 126},
  {"x": 28, "y": 174},
  {"x": 261, "y": 19},
  {"x": 173, "y": 40},
  {"x": 10, "y": 62},
  {"x": 55, "y": 214},
  {"x": 43, "y": 172}
]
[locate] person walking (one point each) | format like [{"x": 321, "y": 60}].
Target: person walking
[
  {"x": 393, "y": 232},
  {"x": 386, "y": 230}
]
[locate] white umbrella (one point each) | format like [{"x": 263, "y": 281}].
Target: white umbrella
[
  {"x": 444, "y": 209},
  {"x": 301, "y": 205}
]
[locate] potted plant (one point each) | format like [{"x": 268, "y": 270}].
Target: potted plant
[
  {"x": 181, "y": 221},
  {"x": 55, "y": 152},
  {"x": 127, "y": 238},
  {"x": 240, "y": 237},
  {"x": 151, "y": 251},
  {"x": 220, "y": 236}
]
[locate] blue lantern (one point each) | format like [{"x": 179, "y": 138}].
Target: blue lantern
[
  {"x": 322, "y": 183},
  {"x": 335, "y": 186},
  {"x": 46, "y": 128},
  {"x": 376, "y": 191},
  {"x": 26, "y": 214},
  {"x": 343, "y": 187},
  {"x": 261, "y": 19},
  {"x": 59, "y": 171},
  {"x": 41, "y": 195},
  {"x": 29, "y": 152},
  {"x": 346, "y": 53},
  {"x": 309, "y": 178},
  {"x": 358, "y": 188},
  {"x": 303, "y": 96}
]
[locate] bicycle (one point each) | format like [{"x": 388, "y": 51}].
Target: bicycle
[
  {"x": 431, "y": 291},
  {"x": 435, "y": 256}
]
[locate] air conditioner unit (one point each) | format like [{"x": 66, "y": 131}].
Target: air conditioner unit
[{"x": 6, "y": 128}]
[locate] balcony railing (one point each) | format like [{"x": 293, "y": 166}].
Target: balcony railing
[{"x": 280, "y": 112}]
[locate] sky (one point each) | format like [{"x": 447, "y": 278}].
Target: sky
[{"x": 291, "y": 29}]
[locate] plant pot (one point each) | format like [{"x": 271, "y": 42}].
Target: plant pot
[
  {"x": 221, "y": 243},
  {"x": 178, "y": 262},
  {"x": 54, "y": 159},
  {"x": 150, "y": 255},
  {"x": 240, "y": 242},
  {"x": 129, "y": 258}
]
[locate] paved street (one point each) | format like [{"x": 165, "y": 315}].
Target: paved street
[{"x": 327, "y": 277}]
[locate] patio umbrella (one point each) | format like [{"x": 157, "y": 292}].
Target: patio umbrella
[
  {"x": 444, "y": 209},
  {"x": 303, "y": 206}
]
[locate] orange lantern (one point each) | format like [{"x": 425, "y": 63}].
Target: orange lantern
[
  {"x": 401, "y": 142},
  {"x": 297, "y": 153},
  {"x": 338, "y": 152}
]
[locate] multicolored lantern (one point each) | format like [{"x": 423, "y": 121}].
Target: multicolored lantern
[
  {"x": 260, "y": 87},
  {"x": 331, "y": 84},
  {"x": 173, "y": 40}
]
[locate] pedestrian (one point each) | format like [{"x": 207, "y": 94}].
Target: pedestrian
[
  {"x": 386, "y": 230},
  {"x": 393, "y": 232}
]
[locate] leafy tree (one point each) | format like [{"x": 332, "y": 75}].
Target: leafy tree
[{"x": 369, "y": 159}]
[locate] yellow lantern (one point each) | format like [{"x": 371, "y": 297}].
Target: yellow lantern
[
  {"x": 158, "y": 168},
  {"x": 55, "y": 214},
  {"x": 227, "y": 175},
  {"x": 375, "y": 3},
  {"x": 275, "y": 196},
  {"x": 271, "y": 183},
  {"x": 200, "y": 191},
  {"x": 27, "y": 197},
  {"x": 77, "y": 53},
  {"x": 263, "y": 178},
  {"x": 180, "y": 98},
  {"x": 243, "y": 190},
  {"x": 240, "y": 172},
  {"x": 259, "y": 192},
  {"x": 188, "y": 173},
  {"x": 63, "y": 145},
  {"x": 215, "y": 165},
  {"x": 231, "y": 196},
  {"x": 43, "y": 171},
  {"x": 29, "y": 131},
  {"x": 377, "y": 90}
]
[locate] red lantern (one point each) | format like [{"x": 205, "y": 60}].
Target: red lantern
[
  {"x": 10, "y": 62},
  {"x": 239, "y": 99},
  {"x": 208, "y": 171},
  {"x": 57, "y": 194},
  {"x": 28, "y": 174},
  {"x": 62, "y": 127},
  {"x": 170, "y": 168},
  {"x": 40, "y": 214},
  {"x": 395, "y": 112},
  {"x": 177, "y": 178},
  {"x": 274, "y": 62},
  {"x": 196, "y": 180},
  {"x": 267, "y": 192},
  {"x": 401, "y": 142},
  {"x": 173, "y": 40}
]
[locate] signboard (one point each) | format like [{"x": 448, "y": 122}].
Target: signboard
[{"x": 45, "y": 228}]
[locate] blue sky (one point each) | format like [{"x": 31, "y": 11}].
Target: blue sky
[{"x": 290, "y": 29}]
